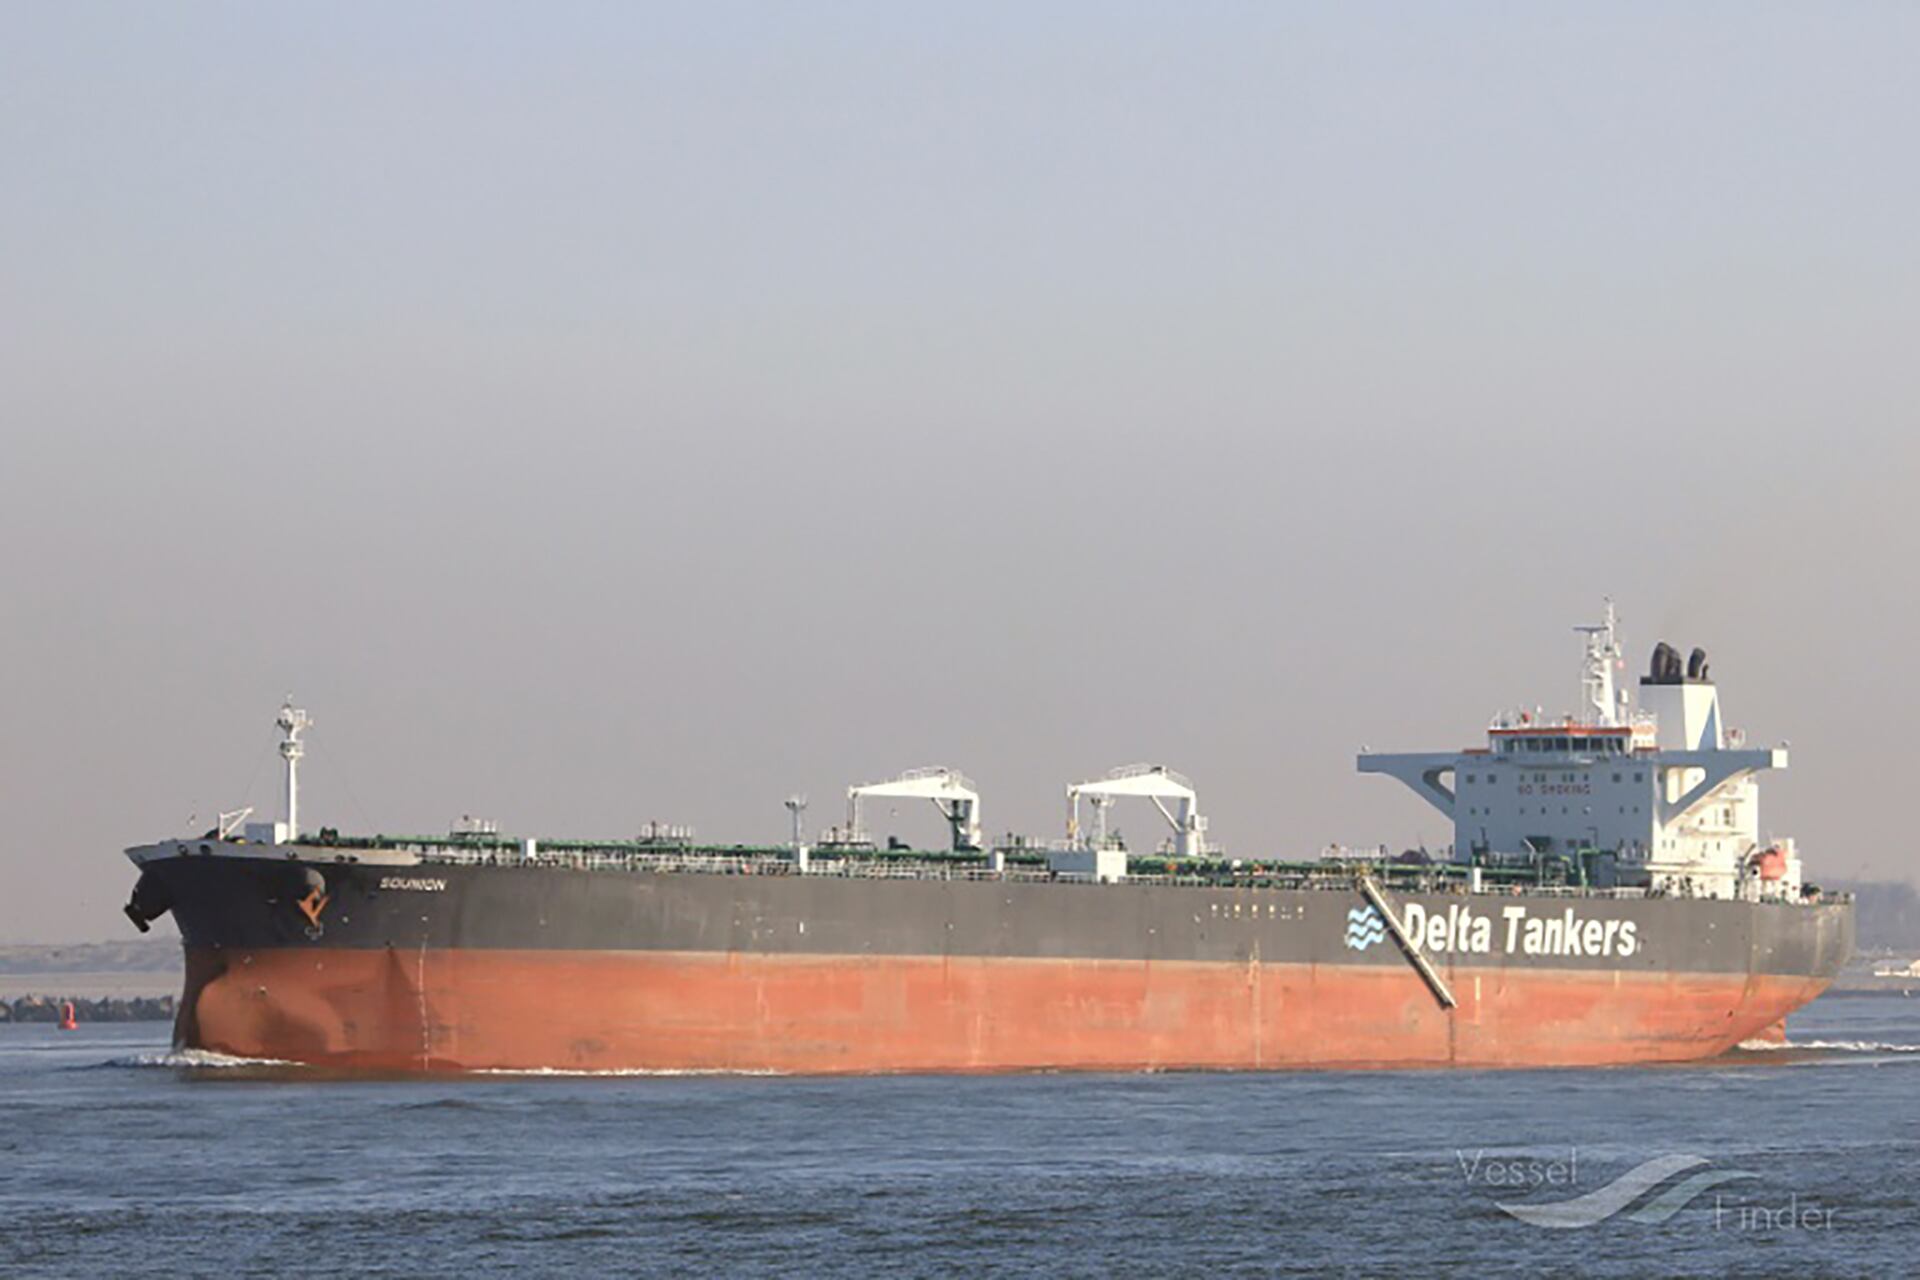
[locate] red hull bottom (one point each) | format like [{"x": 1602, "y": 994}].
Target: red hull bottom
[{"x": 388, "y": 1011}]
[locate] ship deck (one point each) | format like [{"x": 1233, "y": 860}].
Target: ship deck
[{"x": 1018, "y": 863}]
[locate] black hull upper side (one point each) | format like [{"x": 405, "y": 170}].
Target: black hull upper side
[{"x": 305, "y": 900}]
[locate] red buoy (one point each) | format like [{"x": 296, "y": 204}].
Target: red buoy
[{"x": 67, "y": 1021}]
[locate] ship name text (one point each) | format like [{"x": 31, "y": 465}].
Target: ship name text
[{"x": 420, "y": 884}]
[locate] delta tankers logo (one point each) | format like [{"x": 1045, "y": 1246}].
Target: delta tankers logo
[
  {"x": 1364, "y": 928},
  {"x": 1516, "y": 930}
]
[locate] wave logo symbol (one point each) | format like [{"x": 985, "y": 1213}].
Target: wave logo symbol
[
  {"x": 1612, "y": 1199},
  {"x": 1364, "y": 928}
]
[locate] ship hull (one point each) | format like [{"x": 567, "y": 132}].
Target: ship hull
[
  {"x": 461, "y": 968},
  {"x": 389, "y": 1011}
]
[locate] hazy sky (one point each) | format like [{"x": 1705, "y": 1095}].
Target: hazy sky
[{"x": 605, "y": 413}]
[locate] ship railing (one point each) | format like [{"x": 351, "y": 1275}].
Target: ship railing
[
  {"x": 1327, "y": 876},
  {"x": 1532, "y": 890},
  {"x": 864, "y": 870},
  {"x": 762, "y": 864},
  {"x": 624, "y": 860}
]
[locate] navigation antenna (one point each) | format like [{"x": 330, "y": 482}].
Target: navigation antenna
[
  {"x": 1597, "y": 697},
  {"x": 797, "y": 805},
  {"x": 292, "y": 722}
]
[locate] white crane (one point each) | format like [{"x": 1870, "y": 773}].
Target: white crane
[
  {"x": 951, "y": 791},
  {"x": 1157, "y": 783}
]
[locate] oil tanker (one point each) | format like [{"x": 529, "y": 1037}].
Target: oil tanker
[{"x": 1607, "y": 899}]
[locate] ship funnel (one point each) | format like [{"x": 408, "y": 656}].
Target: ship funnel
[
  {"x": 1665, "y": 667},
  {"x": 1697, "y": 665}
]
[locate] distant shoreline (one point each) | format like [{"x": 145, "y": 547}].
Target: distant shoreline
[
  {"x": 136, "y": 979},
  {"x": 48, "y": 1009},
  {"x": 95, "y": 985}
]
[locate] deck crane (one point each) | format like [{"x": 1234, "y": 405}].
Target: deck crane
[
  {"x": 951, "y": 791},
  {"x": 1157, "y": 783}
]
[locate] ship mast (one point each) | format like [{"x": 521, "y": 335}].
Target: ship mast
[
  {"x": 292, "y": 722},
  {"x": 797, "y": 806},
  {"x": 1597, "y": 697}
]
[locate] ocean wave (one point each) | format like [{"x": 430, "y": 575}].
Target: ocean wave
[
  {"x": 195, "y": 1060},
  {"x": 1826, "y": 1046}
]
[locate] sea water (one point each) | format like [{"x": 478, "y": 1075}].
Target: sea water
[{"x": 120, "y": 1157}]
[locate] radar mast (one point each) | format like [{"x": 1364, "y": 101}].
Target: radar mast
[
  {"x": 292, "y": 722},
  {"x": 1597, "y": 697}
]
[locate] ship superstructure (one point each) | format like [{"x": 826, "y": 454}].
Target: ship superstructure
[{"x": 1663, "y": 796}]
